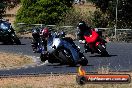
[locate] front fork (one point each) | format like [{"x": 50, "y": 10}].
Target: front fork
[{"x": 89, "y": 48}]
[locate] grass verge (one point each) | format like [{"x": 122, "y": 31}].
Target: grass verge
[
  {"x": 10, "y": 60},
  {"x": 61, "y": 81}
]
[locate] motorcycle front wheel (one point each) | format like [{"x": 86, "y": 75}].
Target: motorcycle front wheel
[
  {"x": 43, "y": 57},
  {"x": 69, "y": 58}
]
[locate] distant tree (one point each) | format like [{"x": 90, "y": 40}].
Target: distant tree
[
  {"x": 42, "y": 11},
  {"x": 125, "y": 14},
  {"x": 99, "y": 19},
  {"x": 108, "y": 8}
]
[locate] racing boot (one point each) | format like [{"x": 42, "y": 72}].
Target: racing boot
[{"x": 34, "y": 48}]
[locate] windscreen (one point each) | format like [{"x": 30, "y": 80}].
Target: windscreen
[{"x": 4, "y": 26}]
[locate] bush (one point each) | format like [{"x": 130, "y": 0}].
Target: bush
[
  {"x": 42, "y": 11},
  {"x": 72, "y": 17}
]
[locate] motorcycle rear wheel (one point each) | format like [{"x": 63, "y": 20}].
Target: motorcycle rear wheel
[
  {"x": 83, "y": 61},
  {"x": 102, "y": 50},
  {"x": 16, "y": 40}
]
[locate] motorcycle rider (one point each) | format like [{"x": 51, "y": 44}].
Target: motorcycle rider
[
  {"x": 36, "y": 39},
  {"x": 40, "y": 36},
  {"x": 44, "y": 35},
  {"x": 85, "y": 29},
  {"x": 82, "y": 29}
]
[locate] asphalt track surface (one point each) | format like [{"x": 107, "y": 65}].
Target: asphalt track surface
[{"x": 120, "y": 60}]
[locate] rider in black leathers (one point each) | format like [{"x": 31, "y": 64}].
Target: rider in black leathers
[
  {"x": 84, "y": 29},
  {"x": 36, "y": 39},
  {"x": 40, "y": 37}
]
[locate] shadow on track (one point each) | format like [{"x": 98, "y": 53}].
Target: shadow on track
[
  {"x": 12, "y": 44},
  {"x": 103, "y": 56},
  {"x": 62, "y": 65}
]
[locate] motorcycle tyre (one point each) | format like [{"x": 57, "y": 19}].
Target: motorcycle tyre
[
  {"x": 16, "y": 40},
  {"x": 43, "y": 58},
  {"x": 103, "y": 51},
  {"x": 33, "y": 45},
  {"x": 70, "y": 60},
  {"x": 83, "y": 61},
  {"x": 8, "y": 42}
]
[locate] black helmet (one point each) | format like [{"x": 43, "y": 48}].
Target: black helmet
[{"x": 81, "y": 25}]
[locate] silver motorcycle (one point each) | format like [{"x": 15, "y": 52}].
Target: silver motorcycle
[{"x": 63, "y": 51}]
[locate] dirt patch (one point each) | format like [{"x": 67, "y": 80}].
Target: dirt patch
[
  {"x": 24, "y": 35},
  {"x": 10, "y": 60},
  {"x": 85, "y": 9},
  {"x": 11, "y": 13}
]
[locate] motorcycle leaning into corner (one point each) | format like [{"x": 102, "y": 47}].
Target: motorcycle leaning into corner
[
  {"x": 7, "y": 34},
  {"x": 62, "y": 50},
  {"x": 95, "y": 43},
  {"x": 37, "y": 39}
]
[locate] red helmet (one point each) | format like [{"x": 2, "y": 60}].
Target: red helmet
[{"x": 45, "y": 32}]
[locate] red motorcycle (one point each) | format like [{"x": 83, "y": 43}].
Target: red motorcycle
[{"x": 95, "y": 43}]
